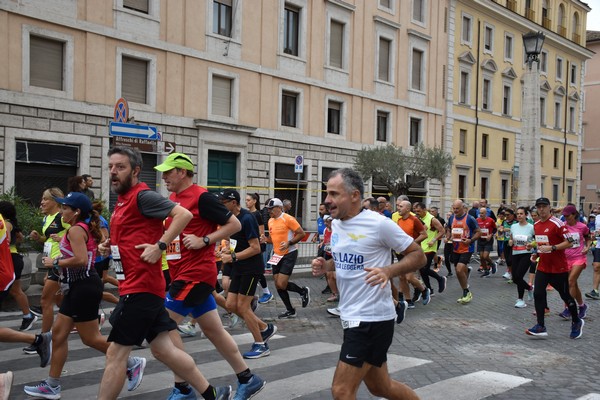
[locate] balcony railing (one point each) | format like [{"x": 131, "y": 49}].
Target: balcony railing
[
  {"x": 511, "y": 5},
  {"x": 562, "y": 30},
  {"x": 530, "y": 14},
  {"x": 546, "y": 22}
]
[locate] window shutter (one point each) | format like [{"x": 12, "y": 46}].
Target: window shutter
[
  {"x": 137, "y": 5},
  {"x": 221, "y": 96},
  {"x": 384, "y": 59},
  {"x": 134, "y": 78},
  {"x": 46, "y": 63},
  {"x": 336, "y": 44},
  {"x": 417, "y": 61}
]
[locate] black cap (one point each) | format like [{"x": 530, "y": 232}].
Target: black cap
[
  {"x": 230, "y": 194},
  {"x": 542, "y": 200}
]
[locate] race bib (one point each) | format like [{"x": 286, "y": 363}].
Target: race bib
[
  {"x": 274, "y": 260},
  {"x": 349, "y": 324},
  {"x": 174, "y": 249},
  {"x": 520, "y": 242},
  {"x": 117, "y": 265},
  {"x": 485, "y": 233},
  {"x": 47, "y": 249},
  {"x": 576, "y": 239},
  {"x": 542, "y": 240},
  {"x": 457, "y": 234}
]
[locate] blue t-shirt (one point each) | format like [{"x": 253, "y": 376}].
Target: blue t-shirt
[{"x": 320, "y": 227}]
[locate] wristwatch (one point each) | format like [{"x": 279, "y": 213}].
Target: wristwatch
[
  {"x": 162, "y": 245},
  {"x": 233, "y": 257},
  {"x": 55, "y": 262},
  {"x": 553, "y": 248},
  {"x": 206, "y": 240}
]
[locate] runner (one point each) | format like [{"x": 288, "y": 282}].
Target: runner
[
  {"x": 485, "y": 244},
  {"x": 521, "y": 237}
]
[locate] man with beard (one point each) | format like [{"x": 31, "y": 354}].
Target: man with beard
[{"x": 137, "y": 241}]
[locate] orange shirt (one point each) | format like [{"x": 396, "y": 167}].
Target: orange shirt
[
  {"x": 412, "y": 226},
  {"x": 282, "y": 230}
]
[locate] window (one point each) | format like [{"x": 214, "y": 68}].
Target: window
[
  {"x": 557, "y": 107},
  {"x": 508, "y": 47},
  {"x": 418, "y": 10},
  {"x": 504, "y": 149},
  {"x": 544, "y": 61},
  {"x": 134, "y": 79},
  {"x": 506, "y": 100},
  {"x": 542, "y": 157},
  {"x": 383, "y": 73},
  {"x": 334, "y": 113},
  {"x": 484, "y": 145},
  {"x": 382, "y": 126},
  {"x": 221, "y": 96},
  {"x": 336, "y": 44},
  {"x": 504, "y": 189},
  {"x": 137, "y": 5},
  {"x": 415, "y": 132},
  {"x": 570, "y": 193},
  {"x": 467, "y": 29},
  {"x": 486, "y": 97},
  {"x": 559, "y": 68},
  {"x": 464, "y": 87},
  {"x": 555, "y": 158},
  {"x": 570, "y": 160},
  {"x": 222, "y": 17},
  {"x": 542, "y": 111},
  {"x": 555, "y": 194},
  {"x": 385, "y": 3},
  {"x": 462, "y": 186},
  {"x": 417, "y": 70},
  {"x": 573, "y": 77},
  {"x": 289, "y": 109},
  {"x": 462, "y": 141},
  {"x": 488, "y": 39},
  {"x": 46, "y": 62},
  {"x": 484, "y": 187},
  {"x": 571, "y": 119},
  {"x": 291, "y": 30}
]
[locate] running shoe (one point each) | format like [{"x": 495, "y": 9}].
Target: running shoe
[
  {"x": 27, "y": 322},
  {"x": 417, "y": 296},
  {"x": 501, "y": 262},
  {"x": 334, "y": 297},
  {"x": 583, "y": 311},
  {"x": 223, "y": 393},
  {"x": 265, "y": 298},
  {"x": 426, "y": 296},
  {"x": 135, "y": 374},
  {"x": 187, "y": 329},
  {"x": 401, "y": 311},
  {"x": 287, "y": 314},
  {"x": 520, "y": 304},
  {"x": 537, "y": 331},
  {"x": 43, "y": 390},
  {"x": 6, "y": 381},
  {"x": 305, "y": 297},
  {"x": 565, "y": 314},
  {"x": 530, "y": 294},
  {"x": 30, "y": 350},
  {"x": 254, "y": 303},
  {"x": 577, "y": 329},
  {"x": 177, "y": 395},
  {"x": 257, "y": 351},
  {"x": 485, "y": 274},
  {"x": 494, "y": 267},
  {"x": 249, "y": 390},
  {"x": 327, "y": 290},
  {"x": 469, "y": 269},
  {"x": 410, "y": 305},
  {"x": 233, "y": 321},
  {"x": 593, "y": 294},
  {"x": 37, "y": 311},
  {"x": 466, "y": 298},
  {"x": 334, "y": 311},
  {"x": 507, "y": 275},
  {"x": 101, "y": 319},
  {"x": 269, "y": 332},
  {"x": 450, "y": 274},
  {"x": 44, "y": 348}
]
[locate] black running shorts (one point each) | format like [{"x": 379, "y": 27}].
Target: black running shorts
[{"x": 369, "y": 342}]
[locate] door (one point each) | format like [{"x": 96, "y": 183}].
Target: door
[{"x": 222, "y": 170}]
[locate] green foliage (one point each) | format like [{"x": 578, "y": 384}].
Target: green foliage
[
  {"x": 29, "y": 218},
  {"x": 389, "y": 165}
]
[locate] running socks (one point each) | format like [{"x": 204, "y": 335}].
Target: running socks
[{"x": 244, "y": 376}]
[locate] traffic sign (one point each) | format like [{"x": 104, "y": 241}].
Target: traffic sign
[
  {"x": 299, "y": 165},
  {"x": 166, "y": 147},
  {"x": 133, "y": 131},
  {"x": 121, "y": 110}
]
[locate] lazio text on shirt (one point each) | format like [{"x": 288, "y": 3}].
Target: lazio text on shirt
[{"x": 348, "y": 261}]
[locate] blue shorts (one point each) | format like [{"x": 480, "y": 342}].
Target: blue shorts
[{"x": 195, "y": 311}]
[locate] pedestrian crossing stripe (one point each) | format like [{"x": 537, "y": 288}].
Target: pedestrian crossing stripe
[{"x": 590, "y": 396}]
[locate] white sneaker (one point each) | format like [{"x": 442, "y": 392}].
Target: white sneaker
[
  {"x": 334, "y": 311},
  {"x": 507, "y": 275},
  {"x": 187, "y": 329},
  {"x": 520, "y": 304}
]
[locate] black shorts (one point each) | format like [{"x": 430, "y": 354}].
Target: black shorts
[
  {"x": 3, "y": 295},
  {"x": 83, "y": 300},
  {"x": 102, "y": 266},
  {"x": 244, "y": 284},
  {"x": 485, "y": 245},
  {"x": 369, "y": 342},
  {"x": 227, "y": 267},
  {"x": 191, "y": 293},
  {"x": 167, "y": 276},
  {"x": 596, "y": 253},
  {"x": 18, "y": 263},
  {"x": 52, "y": 275},
  {"x": 460, "y": 258},
  {"x": 139, "y": 316},
  {"x": 286, "y": 264}
]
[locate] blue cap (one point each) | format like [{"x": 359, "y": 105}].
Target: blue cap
[{"x": 76, "y": 200}]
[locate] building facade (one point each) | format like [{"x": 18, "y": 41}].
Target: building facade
[
  {"x": 486, "y": 65},
  {"x": 242, "y": 86}
]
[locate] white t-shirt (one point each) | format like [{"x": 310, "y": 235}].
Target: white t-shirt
[{"x": 365, "y": 241}]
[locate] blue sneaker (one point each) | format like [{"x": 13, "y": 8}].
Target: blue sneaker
[
  {"x": 426, "y": 296},
  {"x": 401, "y": 311},
  {"x": 269, "y": 332},
  {"x": 265, "y": 298},
  {"x": 223, "y": 393},
  {"x": 565, "y": 314},
  {"x": 537, "y": 330},
  {"x": 135, "y": 373},
  {"x": 494, "y": 267},
  {"x": 583, "y": 311},
  {"x": 177, "y": 395},
  {"x": 248, "y": 390},
  {"x": 577, "y": 329},
  {"x": 258, "y": 351},
  {"x": 43, "y": 391},
  {"x": 44, "y": 349}
]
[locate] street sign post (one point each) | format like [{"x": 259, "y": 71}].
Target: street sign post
[
  {"x": 144, "y": 138},
  {"x": 121, "y": 110},
  {"x": 298, "y": 169}
]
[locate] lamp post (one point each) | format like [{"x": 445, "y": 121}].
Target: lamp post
[{"x": 530, "y": 174}]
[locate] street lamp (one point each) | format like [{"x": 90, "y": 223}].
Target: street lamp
[{"x": 530, "y": 174}]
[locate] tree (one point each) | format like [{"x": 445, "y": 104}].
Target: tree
[{"x": 391, "y": 165}]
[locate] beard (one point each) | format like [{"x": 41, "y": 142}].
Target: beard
[{"x": 124, "y": 186}]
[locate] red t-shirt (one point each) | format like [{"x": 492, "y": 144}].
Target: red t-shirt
[
  {"x": 487, "y": 227},
  {"x": 551, "y": 232}
]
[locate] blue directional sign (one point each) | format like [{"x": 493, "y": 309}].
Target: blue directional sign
[{"x": 133, "y": 131}]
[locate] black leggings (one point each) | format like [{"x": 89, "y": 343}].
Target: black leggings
[
  {"x": 447, "y": 254},
  {"x": 560, "y": 282},
  {"x": 508, "y": 257},
  {"x": 520, "y": 266},
  {"x": 426, "y": 271}
]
